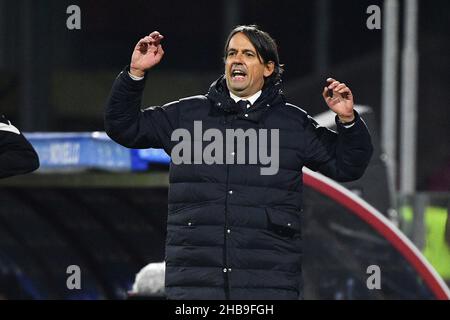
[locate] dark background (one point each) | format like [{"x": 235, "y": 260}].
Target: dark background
[{"x": 55, "y": 79}]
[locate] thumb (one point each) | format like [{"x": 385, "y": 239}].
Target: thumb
[{"x": 325, "y": 95}]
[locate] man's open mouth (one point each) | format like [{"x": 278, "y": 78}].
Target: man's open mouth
[{"x": 238, "y": 75}]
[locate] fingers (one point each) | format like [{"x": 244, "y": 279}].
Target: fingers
[
  {"x": 342, "y": 89},
  {"x": 327, "y": 98},
  {"x": 338, "y": 87},
  {"x": 330, "y": 80},
  {"x": 153, "y": 38},
  {"x": 154, "y": 34},
  {"x": 333, "y": 85},
  {"x": 345, "y": 92},
  {"x": 150, "y": 43},
  {"x": 159, "y": 51},
  {"x": 325, "y": 94}
]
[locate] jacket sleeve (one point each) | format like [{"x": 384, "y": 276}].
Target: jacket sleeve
[
  {"x": 128, "y": 125},
  {"x": 342, "y": 156},
  {"x": 17, "y": 156}
]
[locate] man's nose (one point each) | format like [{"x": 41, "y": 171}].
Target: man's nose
[{"x": 238, "y": 57}]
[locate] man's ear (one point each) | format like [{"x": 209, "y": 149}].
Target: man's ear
[{"x": 269, "y": 67}]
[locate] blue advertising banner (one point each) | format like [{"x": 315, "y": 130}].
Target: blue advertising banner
[{"x": 90, "y": 151}]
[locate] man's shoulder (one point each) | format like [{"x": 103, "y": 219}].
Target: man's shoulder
[
  {"x": 6, "y": 126},
  {"x": 198, "y": 99},
  {"x": 183, "y": 102},
  {"x": 293, "y": 111},
  {"x": 193, "y": 103},
  {"x": 290, "y": 107},
  {"x": 194, "y": 99}
]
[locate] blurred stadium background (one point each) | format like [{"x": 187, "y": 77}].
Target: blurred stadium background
[{"x": 102, "y": 207}]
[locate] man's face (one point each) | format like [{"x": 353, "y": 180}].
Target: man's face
[{"x": 244, "y": 69}]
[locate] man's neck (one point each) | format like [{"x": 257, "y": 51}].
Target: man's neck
[{"x": 252, "y": 99}]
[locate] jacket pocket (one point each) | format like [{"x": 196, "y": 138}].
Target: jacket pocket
[
  {"x": 284, "y": 223},
  {"x": 176, "y": 209}
]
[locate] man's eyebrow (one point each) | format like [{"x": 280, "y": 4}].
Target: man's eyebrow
[{"x": 244, "y": 50}]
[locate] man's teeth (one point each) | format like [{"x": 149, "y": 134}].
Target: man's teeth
[{"x": 238, "y": 73}]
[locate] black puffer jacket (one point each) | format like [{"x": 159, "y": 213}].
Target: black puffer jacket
[{"x": 232, "y": 232}]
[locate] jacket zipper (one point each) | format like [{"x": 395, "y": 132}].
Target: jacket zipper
[{"x": 225, "y": 256}]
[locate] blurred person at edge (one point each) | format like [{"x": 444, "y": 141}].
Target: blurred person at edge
[
  {"x": 233, "y": 233},
  {"x": 17, "y": 156}
]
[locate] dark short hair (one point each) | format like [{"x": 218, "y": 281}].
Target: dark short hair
[{"x": 264, "y": 44}]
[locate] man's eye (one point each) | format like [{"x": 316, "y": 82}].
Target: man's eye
[
  {"x": 231, "y": 53},
  {"x": 249, "y": 54}
]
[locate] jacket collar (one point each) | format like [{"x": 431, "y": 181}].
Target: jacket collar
[
  {"x": 252, "y": 99},
  {"x": 222, "y": 103}
]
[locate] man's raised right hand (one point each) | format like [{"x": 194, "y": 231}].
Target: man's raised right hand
[{"x": 147, "y": 53}]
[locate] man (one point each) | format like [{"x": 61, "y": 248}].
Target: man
[
  {"x": 17, "y": 156},
  {"x": 233, "y": 232}
]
